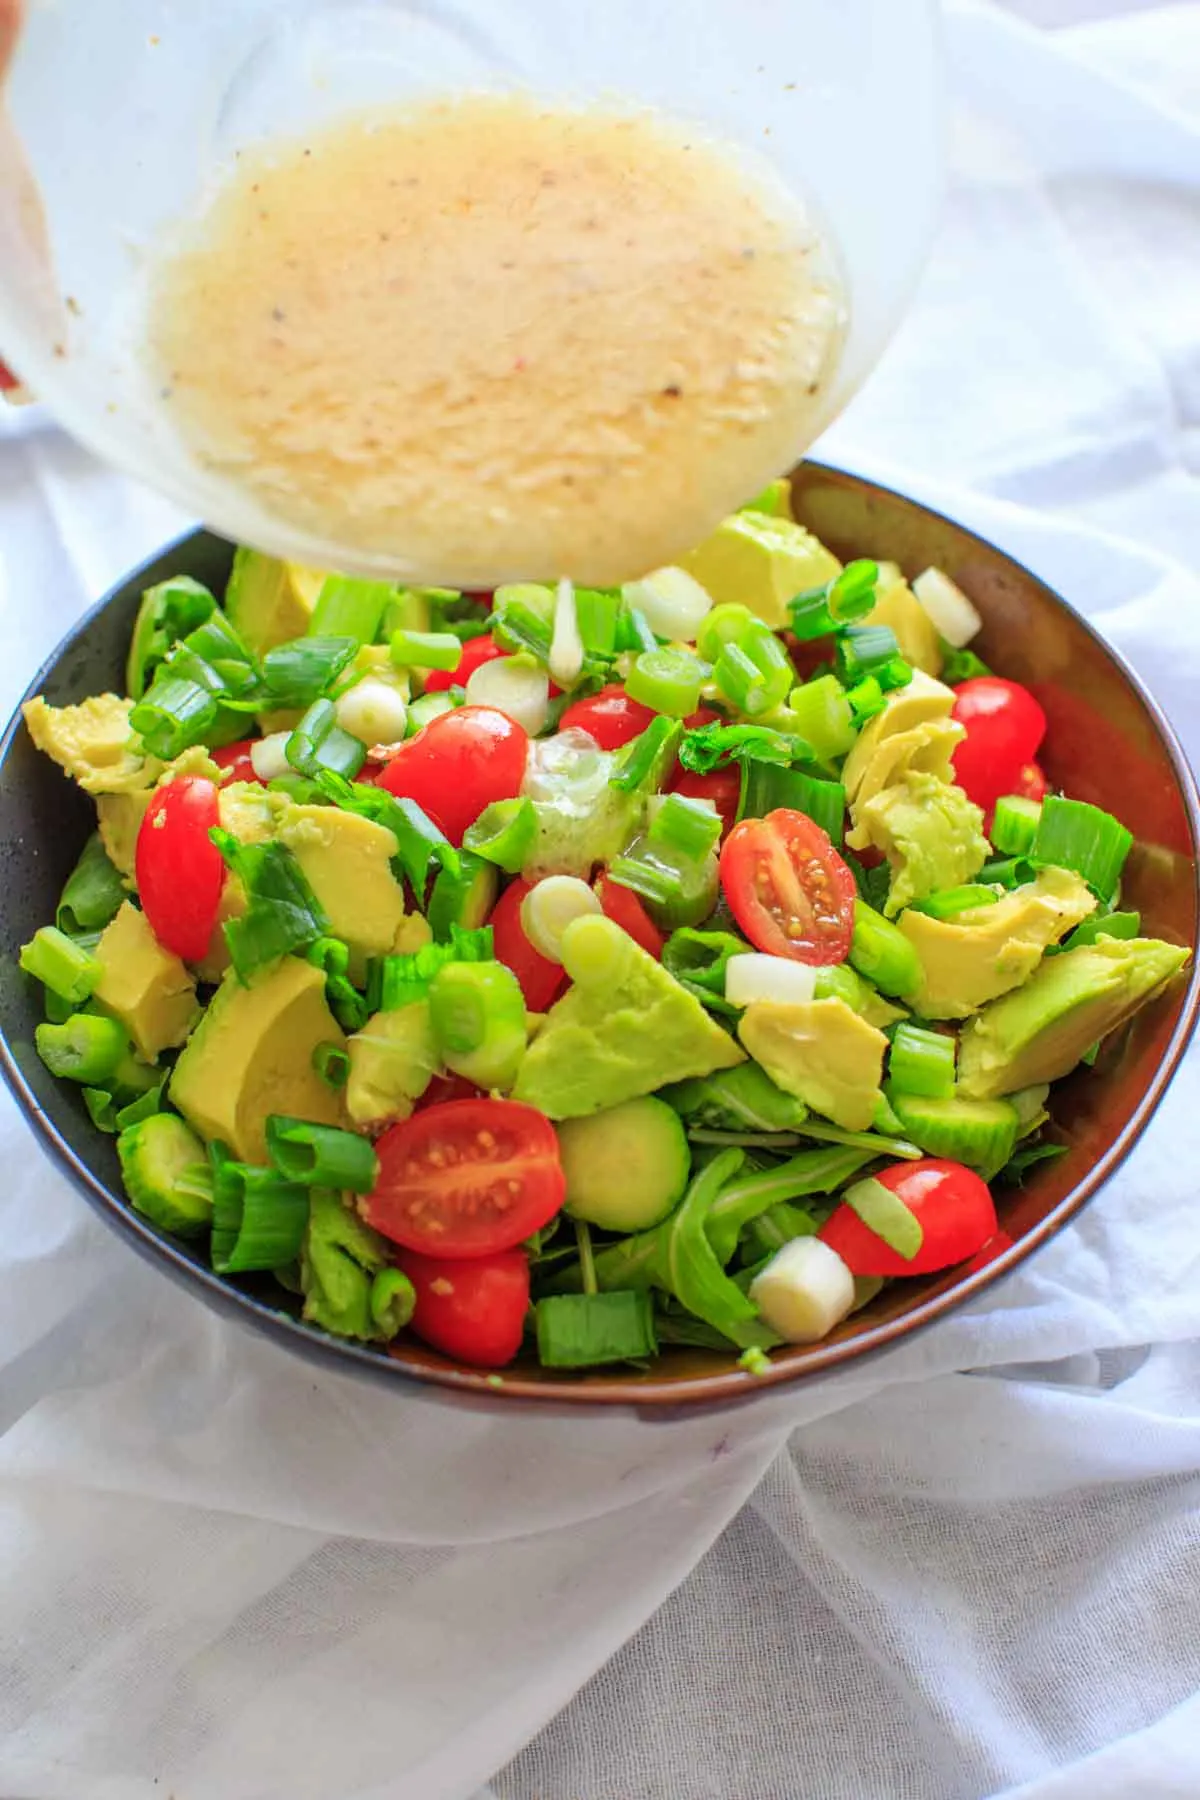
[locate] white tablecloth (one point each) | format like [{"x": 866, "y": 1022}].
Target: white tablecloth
[{"x": 229, "y": 1577}]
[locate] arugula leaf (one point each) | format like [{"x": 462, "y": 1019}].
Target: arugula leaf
[
  {"x": 711, "y": 746},
  {"x": 1026, "y": 1158}
]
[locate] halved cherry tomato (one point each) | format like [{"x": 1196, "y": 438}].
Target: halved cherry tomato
[
  {"x": 610, "y": 717},
  {"x": 458, "y": 764},
  {"x": 540, "y": 978},
  {"x": 951, "y": 1203},
  {"x": 788, "y": 888},
  {"x": 722, "y": 786},
  {"x": 177, "y": 866},
  {"x": 473, "y": 1311},
  {"x": 475, "y": 652},
  {"x": 626, "y": 910},
  {"x": 1004, "y": 726},
  {"x": 466, "y": 1178},
  {"x": 235, "y": 760}
]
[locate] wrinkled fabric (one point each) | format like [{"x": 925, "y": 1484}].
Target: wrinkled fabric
[{"x": 966, "y": 1569}]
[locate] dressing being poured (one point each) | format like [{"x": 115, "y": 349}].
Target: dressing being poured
[{"x": 499, "y": 341}]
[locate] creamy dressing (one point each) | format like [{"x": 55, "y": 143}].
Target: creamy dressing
[{"x": 497, "y": 340}]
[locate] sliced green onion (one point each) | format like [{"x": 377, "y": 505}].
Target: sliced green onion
[
  {"x": 1074, "y": 835},
  {"x": 349, "y": 607},
  {"x": 708, "y": 746},
  {"x": 766, "y": 788},
  {"x": 462, "y": 896},
  {"x": 165, "y": 1173},
  {"x": 332, "y": 1064},
  {"x": 851, "y": 595},
  {"x": 550, "y": 906},
  {"x": 319, "y": 742},
  {"x": 504, "y": 833},
  {"x": 645, "y": 762},
  {"x": 960, "y": 665},
  {"x": 952, "y": 614},
  {"x": 332, "y": 957},
  {"x": 1114, "y": 925},
  {"x": 220, "y": 660},
  {"x": 371, "y": 710},
  {"x": 886, "y": 1215},
  {"x": 675, "y": 891},
  {"x": 922, "y": 1062},
  {"x": 393, "y": 1301},
  {"x": 725, "y": 624},
  {"x": 283, "y": 914},
  {"x": 259, "y": 1219},
  {"x": 175, "y": 713},
  {"x": 633, "y": 630},
  {"x": 810, "y": 615},
  {"x": 57, "y": 961},
  {"x": 684, "y": 827},
  {"x": 824, "y": 716},
  {"x": 320, "y": 1155},
  {"x": 880, "y": 951},
  {"x": 518, "y": 627},
  {"x": 87, "y": 1048},
  {"x": 399, "y": 980},
  {"x": 952, "y": 901},
  {"x": 865, "y": 699},
  {"x": 596, "y": 612},
  {"x": 668, "y": 681},
  {"x": 753, "y": 670},
  {"x": 1007, "y": 872},
  {"x": 299, "y": 672},
  {"x": 1015, "y": 825},
  {"x": 477, "y": 1012},
  {"x": 166, "y": 614},
  {"x": 698, "y": 961},
  {"x": 582, "y": 1331},
  {"x": 425, "y": 650},
  {"x": 102, "y": 1110},
  {"x": 864, "y": 650},
  {"x": 94, "y": 891},
  {"x": 144, "y": 1107}
]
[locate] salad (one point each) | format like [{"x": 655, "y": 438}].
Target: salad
[{"x": 579, "y": 971}]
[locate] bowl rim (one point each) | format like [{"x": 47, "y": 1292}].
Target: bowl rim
[{"x": 656, "y": 1401}]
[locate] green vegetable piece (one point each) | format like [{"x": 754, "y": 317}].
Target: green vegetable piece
[
  {"x": 427, "y": 707},
  {"x": 766, "y": 787},
  {"x": 299, "y": 672},
  {"x": 725, "y": 624},
  {"x": 321, "y": 1155},
  {"x": 675, "y": 890},
  {"x": 980, "y": 1133},
  {"x": 87, "y": 1048},
  {"x": 462, "y": 897},
  {"x": 425, "y": 650},
  {"x": 1008, "y": 872},
  {"x": 93, "y": 894},
  {"x": 922, "y": 1062},
  {"x": 258, "y": 1218},
  {"x": 393, "y": 1302},
  {"x": 880, "y": 951},
  {"x": 753, "y": 670},
  {"x": 775, "y": 500},
  {"x": 1113, "y": 924},
  {"x": 697, "y": 960},
  {"x": 348, "y": 1287},
  {"x": 1073, "y": 835},
  {"x": 319, "y": 742},
  {"x": 57, "y": 961},
  {"x": 951, "y": 901},
  {"x": 350, "y": 607},
  {"x": 1015, "y": 825},
  {"x": 626, "y": 1167},
  {"x": 824, "y": 717},
  {"x": 584, "y": 1331},
  {"x": 642, "y": 766},
  {"x": 504, "y": 834},
  {"x": 668, "y": 681},
  {"x": 886, "y": 1215},
  {"x": 744, "y": 1099},
  {"x": 838, "y": 981},
  {"x": 751, "y": 1196},
  {"x": 477, "y": 1011},
  {"x": 283, "y": 913},
  {"x": 684, "y": 828},
  {"x": 332, "y": 1064},
  {"x": 166, "y": 1174},
  {"x": 961, "y": 665},
  {"x": 167, "y": 613}
]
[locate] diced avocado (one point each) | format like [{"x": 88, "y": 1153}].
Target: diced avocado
[
  {"x": 926, "y": 749},
  {"x": 165, "y": 1170},
  {"x": 980, "y": 1133},
  {"x": 270, "y": 601},
  {"x": 761, "y": 562},
  {"x": 143, "y": 986},
  {"x": 899, "y": 607},
  {"x": 922, "y": 701},
  {"x": 347, "y": 861},
  {"x": 931, "y": 834},
  {"x": 392, "y": 1061},
  {"x": 821, "y": 1051},
  {"x": 625, "y": 1167},
  {"x": 412, "y": 934},
  {"x": 251, "y": 1055},
  {"x": 1043, "y": 1029},
  {"x": 94, "y": 742},
  {"x": 978, "y": 955},
  {"x": 775, "y": 500},
  {"x": 624, "y": 1028},
  {"x": 120, "y": 818}
]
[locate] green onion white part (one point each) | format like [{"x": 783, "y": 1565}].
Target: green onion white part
[
  {"x": 550, "y": 906},
  {"x": 268, "y": 756},
  {"x": 514, "y": 685},
  {"x": 804, "y": 1291},
  {"x": 758, "y": 977},
  {"x": 672, "y": 602},
  {"x": 948, "y": 607},
  {"x": 373, "y": 712},
  {"x": 566, "y": 645}
]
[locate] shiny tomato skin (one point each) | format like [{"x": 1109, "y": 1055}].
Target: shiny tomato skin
[
  {"x": 1005, "y": 726},
  {"x": 951, "y": 1202},
  {"x": 458, "y": 764},
  {"x": 540, "y": 978},
  {"x": 722, "y": 786},
  {"x": 1032, "y": 783},
  {"x": 624, "y": 908},
  {"x": 610, "y": 717},
  {"x": 788, "y": 888},
  {"x": 234, "y": 760},
  {"x": 475, "y": 652},
  {"x": 178, "y": 868},
  {"x": 466, "y": 1178},
  {"x": 996, "y": 1246},
  {"x": 472, "y": 1311}
]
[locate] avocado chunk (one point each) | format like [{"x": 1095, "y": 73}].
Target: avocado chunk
[
  {"x": 983, "y": 953},
  {"x": 761, "y": 562},
  {"x": 392, "y": 1061},
  {"x": 922, "y": 701},
  {"x": 120, "y": 819},
  {"x": 94, "y": 742},
  {"x": 624, "y": 1028},
  {"x": 926, "y": 749},
  {"x": 143, "y": 986},
  {"x": 898, "y": 607},
  {"x": 251, "y": 1055},
  {"x": 823, "y": 1052},
  {"x": 347, "y": 862},
  {"x": 1043, "y": 1029},
  {"x": 268, "y": 601},
  {"x": 931, "y": 834}
]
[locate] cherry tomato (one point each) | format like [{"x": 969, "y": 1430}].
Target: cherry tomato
[
  {"x": 8, "y": 380},
  {"x": 475, "y": 652},
  {"x": 178, "y": 868},
  {"x": 722, "y": 786},
  {"x": 540, "y": 978},
  {"x": 996, "y": 1245},
  {"x": 235, "y": 760},
  {"x": 626, "y": 910},
  {"x": 1032, "y": 783},
  {"x": 1004, "y": 726},
  {"x": 466, "y": 1178},
  {"x": 610, "y": 717},
  {"x": 472, "y": 1311},
  {"x": 458, "y": 764},
  {"x": 703, "y": 715},
  {"x": 952, "y": 1204},
  {"x": 788, "y": 888}
]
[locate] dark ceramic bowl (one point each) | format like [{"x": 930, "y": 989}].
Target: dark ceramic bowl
[{"x": 1090, "y": 698}]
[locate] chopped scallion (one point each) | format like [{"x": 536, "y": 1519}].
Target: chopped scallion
[
  {"x": 321, "y": 1155},
  {"x": 87, "y": 1048},
  {"x": 425, "y": 650},
  {"x": 864, "y": 650},
  {"x": 643, "y": 763},
  {"x": 824, "y": 716},
  {"x": 1113, "y": 924},
  {"x": 1007, "y": 872},
  {"x": 283, "y": 912},
  {"x": 318, "y": 742},
  {"x": 299, "y": 672},
  {"x": 350, "y": 607},
  {"x": 669, "y": 681},
  {"x": 259, "y": 1219},
  {"x": 766, "y": 787},
  {"x": 332, "y": 1064},
  {"x": 952, "y": 901},
  {"x": 94, "y": 891},
  {"x": 685, "y": 827},
  {"x": 1015, "y": 825},
  {"x": 1074, "y": 835},
  {"x": 57, "y": 961},
  {"x": 884, "y": 1213},
  {"x": 583, "y": 1331},
  {"x": 922, "y": 1062}
]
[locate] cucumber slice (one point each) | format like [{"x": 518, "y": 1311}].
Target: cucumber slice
[
  {"x": 980, "y": 1133},
  {"x": 627, "y": 1167}
]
